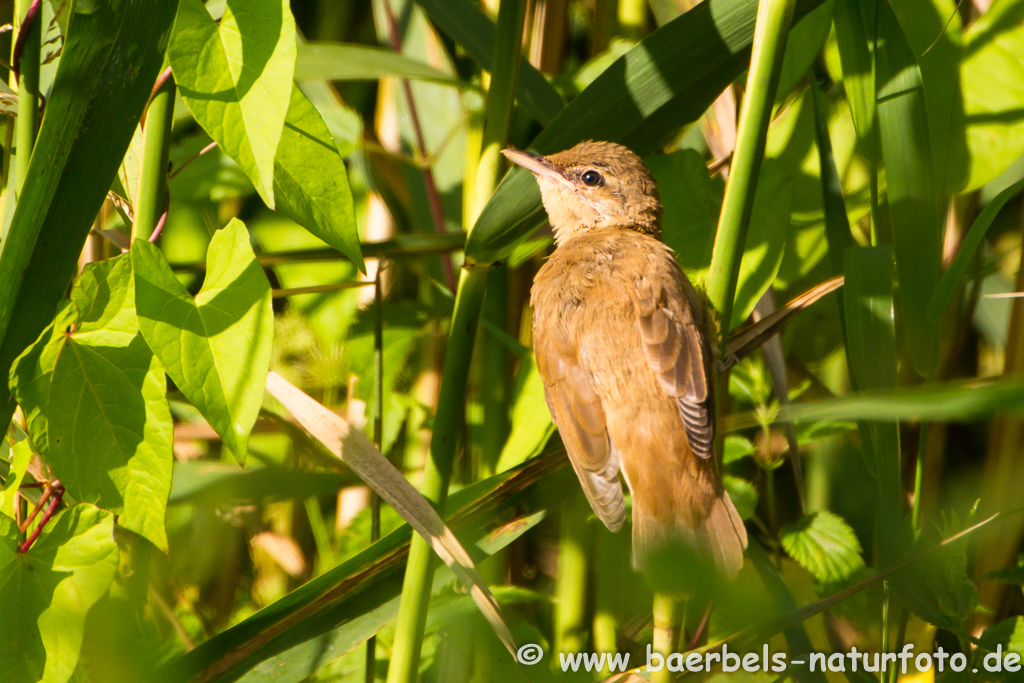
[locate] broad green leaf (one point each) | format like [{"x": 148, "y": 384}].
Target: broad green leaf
[
  {"x": 236, "y": 78},
  {"x": 21, "y": 454},
  {"x": 1012, "y": 576},
  {"x": 94, "y": 397},
  {"x": 992, "y": 74},
  {"x": 47, "y": 591},
  {"x": 933, "y": 32},
  {"x": 666, "y": 81},
  {"x": 871, "y": 349},
  {"x": 531, "y": 421},
  {"x": 736, "y": 448},
  {"x": 743, "y": 495},
  {"x": 959, "y": 401},
  {"x": 803, "y": 44},
  {"x": 858, "y": 73},
  {"x": 310, "y": 180},
  {"x": 468, "y": 26},
  {"x": 91, "y": 114},
  {"x": 1009, "y": 633},
  {"x": 823, "y": 544},
  {"x": 939, "y": 591},
  {"x": 215, "y": 347},
  {"x": 353, "y": 62},
  {"x": 912, "y": 191},
  {"x": 353, "y": 600},
  {"x": 968, "y": 250}
]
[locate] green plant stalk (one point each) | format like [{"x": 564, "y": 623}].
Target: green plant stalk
[
  {"x": 773, "y": 21},
  {"x": 151, "y": 197},
  {"x": 495, "y": 371},
  {"x": 922, "y": 446},
  {"x": 27, "y": 121},
  {"x": 604, "y": 611},
  {"x": 632, "y": 14},
  {"x": 500, "y": 97},
  {"x": 571, "y": 583},
  {"x": 469, "y": 299},
  {"x": 668, "y": 616},
  {"x": 378, "y": 431},
  {"x": 412, "y": 609}
]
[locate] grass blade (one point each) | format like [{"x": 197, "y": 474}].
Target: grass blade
[
  {"x": 968, "y": 250},
  {"x": 913, "y": 200},
  {"x": 348, "y": 62},
  {"x": 372, "y": 467}
]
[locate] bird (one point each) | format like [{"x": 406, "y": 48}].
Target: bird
[{"x": 621, "y": 340}]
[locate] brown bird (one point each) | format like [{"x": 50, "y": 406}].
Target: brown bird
[{"x": 622, "y": 345}]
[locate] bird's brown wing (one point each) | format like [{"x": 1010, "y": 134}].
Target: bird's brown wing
[
  {"x": 579, "y": 415},
  {"x": 671, "y": 322}
]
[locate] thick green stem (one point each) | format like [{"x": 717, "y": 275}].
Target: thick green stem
[
  {"x": 151, "y": 197},
  {"x": 419, "y": 573},
  {"x": 27, "y": 121},
  {"x": 773, "y": 20},
  {"x": 668, "y": 616},
  {"x": 571, "y": 583},
  {"x": 500, "y": 98}
]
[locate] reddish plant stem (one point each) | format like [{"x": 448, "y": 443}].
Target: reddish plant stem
[
  {"x": 433, "y": 197},
  {"x": 58, "y": 494},
  {"x": 32, "y": 485},
  {"x": 163, "y": 219},
  {"x": 173, "y": 174},
  {"x": 35, "y": 510},
  {"x": 160, "y": 80},
  {"x": 19, "y": 43}
]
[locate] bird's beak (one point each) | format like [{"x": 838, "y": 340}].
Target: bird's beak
[{"x": 537, "y": 165}]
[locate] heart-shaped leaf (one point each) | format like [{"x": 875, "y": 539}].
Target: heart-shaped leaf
[
  {"x": 95, "y": 400},
  {"x": 215, "y": 347},
  {"x": 236, "y": 78},
  {"x": 47, "y": 591}
]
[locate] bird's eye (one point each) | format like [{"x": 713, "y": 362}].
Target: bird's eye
[{"x": 592, "y": 178}]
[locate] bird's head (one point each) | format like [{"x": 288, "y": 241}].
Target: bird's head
[{"x": 594, "y": 185}]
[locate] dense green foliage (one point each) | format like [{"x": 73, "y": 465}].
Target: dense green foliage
[{"x": 335, "y": 211}]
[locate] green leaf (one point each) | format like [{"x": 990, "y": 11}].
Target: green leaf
[
  {"x": 1013, "y": 576},
  {"x": 215, "y": 347},
  {"x": 94, "y": 108},
  {"x": 912, "y": 190},
  {"x": 692, "y": 201},
  {"x": 94, "y": 398},
  {"x": 736, "y": 448},
  {"x": 666, "y": 81},
  {"x": 940, "y": 590},
  {"x": 47, "y": 591},
  {"x": 743, "y": 495},
  {"x": 531, "y": 420},
  {"x": 236, "y": 78},
  {"x": 823, "y": 544},
  {"x": 21, "y": 454},
  {"x": 961, "y": 401},
  {"x": 350, "y": 62},
  {"x": 310, "y": 180},
  {"x": 871, "y": 348},
  {"x": 968, "y": 250},
  {"x": 992, "y": 77}
]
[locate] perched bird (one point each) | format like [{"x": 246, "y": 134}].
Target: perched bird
[{"x": 621, "y": 339}]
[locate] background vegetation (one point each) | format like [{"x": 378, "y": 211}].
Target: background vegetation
[{"x": 313, "y": 188}]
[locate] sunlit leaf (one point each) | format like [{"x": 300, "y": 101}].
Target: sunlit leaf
[
  {"x": 47, "y": 591},
  {"x": 215, "y": 347},
  {"x": 236, "y": 78},
  {"x": 310, "y": 180},
  {"x": 823, "y": 544},
  {"x": 94, "y": 398}
]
